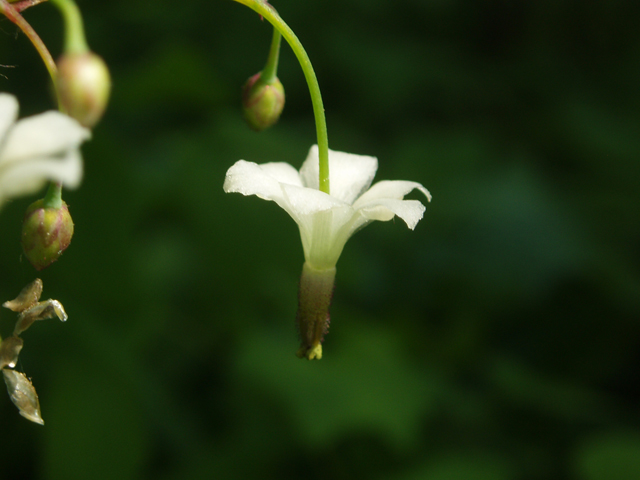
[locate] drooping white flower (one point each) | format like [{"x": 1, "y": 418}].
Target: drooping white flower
[
  {"x": 325, "y": 221},
  {"x": 37, "y": 149}
]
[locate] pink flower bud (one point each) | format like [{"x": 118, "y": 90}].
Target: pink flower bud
[
  {"x": 262, "y": 103},
  {"x": 46, "y": 233},
  {"x": 84, "y": 85}
]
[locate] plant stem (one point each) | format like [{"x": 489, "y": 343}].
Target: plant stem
[
  {"x": 22, "y": 5},
  {"x": 14, "y": 16},
  {"x": 270, "y": 70},
  {"x": 53, "y": 198},
  {"x": 267, "y": 11},
  {"x": 74, "y": 39}
]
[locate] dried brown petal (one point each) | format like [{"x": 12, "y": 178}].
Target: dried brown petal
[
  {"x": 42, "y": 311},
  {"x": 28, "y": 297},
  {"x": 9, "y": 351},
  {"x": 23, "y": 395}
]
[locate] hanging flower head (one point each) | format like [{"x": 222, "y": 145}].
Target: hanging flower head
[
  {"x": 37, "y": 149},
  {"x": 326, "y": 221}
]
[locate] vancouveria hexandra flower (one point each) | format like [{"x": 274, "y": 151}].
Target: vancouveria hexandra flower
[
  {"x": 37, "y": 149},
  {"x": 326, "y": 221}
]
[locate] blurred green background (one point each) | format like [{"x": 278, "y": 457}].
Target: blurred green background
[{"x": 500, "y": 340}]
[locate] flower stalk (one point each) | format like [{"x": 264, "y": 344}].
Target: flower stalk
[
  {"x": 9, "y": 11},
  {"x": 267, "y": 11},
  {"x": 270, "y": 70},
  {"x": 74, "y": 38},
  {"x": 21, "y": 5},
  {"x": 53, "y": 198}
]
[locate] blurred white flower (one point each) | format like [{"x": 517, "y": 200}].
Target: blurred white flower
[
  {"x": 327, "y": 221},
  {"x": 37, "y": 149}
]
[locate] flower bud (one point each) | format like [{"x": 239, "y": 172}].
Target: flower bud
[
  {"x": 46, "y": 233},
  {"x": 83, "y": 85},
  {"x": 262, "y": 103}
]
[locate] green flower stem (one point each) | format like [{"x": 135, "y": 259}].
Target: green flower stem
[
  {"x": 74, "y": 40},
  {"x": 270, "y": 70},
  {"x": 53, "y": 198},
  {"x": 14, "y": 16},
  {"x": 267, "y": 11}
]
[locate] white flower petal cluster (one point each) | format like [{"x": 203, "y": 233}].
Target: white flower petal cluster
[
  {"x": 37, "y": 149},
  {"x": 327, "y": 221}
]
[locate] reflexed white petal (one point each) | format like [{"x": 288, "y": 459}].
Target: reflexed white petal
[
  {"x": 249, "y": 178},
  {"x": 282, "y": 172},
  {"x": 45, "y": 135},
  {"x": 410, "y": 211},
  {"x": 30, "y": 175},
  {"x": 349, "y": 174},
  {"x": 390, "y": 189},
  {"x": 8, "y": 114}
]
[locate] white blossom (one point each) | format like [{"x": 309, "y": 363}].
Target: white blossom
[
  {"x": 326, "y": 221},
  {"x": 37, "y": 149}
]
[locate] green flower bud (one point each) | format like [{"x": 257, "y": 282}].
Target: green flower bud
[
  {"x": 46, "y": 233},
  {"x": 84, "y": 85},
  {"x": 262, "y": 103}
]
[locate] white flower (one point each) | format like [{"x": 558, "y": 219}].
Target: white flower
[
  {"x": 327, "y": 221},
  {"x": 37, "y": 149}
]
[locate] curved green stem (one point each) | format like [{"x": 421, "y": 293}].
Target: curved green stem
[
  {"x": 270, "y": 70},
  {"x": 74, "y": 39},
  {"x": 14, "y": 16},
  {"x": 267, "y": 11}
]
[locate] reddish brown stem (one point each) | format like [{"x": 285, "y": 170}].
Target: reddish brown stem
[{"x": 24, "y": 4}]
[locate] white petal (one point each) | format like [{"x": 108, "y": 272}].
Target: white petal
[
  {"x": 307, "y": 201},
  {"x": 8, "y": 114},
  {"x": 349, "y": 174},
  {"x": 47, "y": 134},
  {"x": 410, "y": 211},
  {"x": 282, "y": 172},
  {"x": 390, "y": 189},
  {"x": 249, "y": 178},
  {"x": 30, "y": 175}
]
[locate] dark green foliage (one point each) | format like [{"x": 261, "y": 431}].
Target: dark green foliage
[{"x": 500, "y": 340}]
